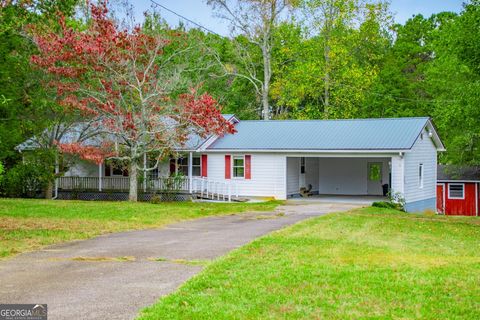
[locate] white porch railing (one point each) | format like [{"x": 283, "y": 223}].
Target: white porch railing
[
  {"x": 204, "y": 187},
  {"x": 122, "y": 184},
  {"x": 214, "y": 189}
]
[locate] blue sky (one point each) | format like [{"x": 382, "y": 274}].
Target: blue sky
[{"x": 199, "y": 12}]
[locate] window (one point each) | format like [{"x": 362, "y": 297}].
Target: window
[
  {"x": 302, "y": 165},
  {"x": 117, "y": 171},
  {"x": 375, "y": 171},
  {"x": 182, "y": 166},
  {"x": 420, "y": 175},
  {"x": 196, "y": 167},
  {"x": 456, "y": 191},
  {"x": 238, "y": 167}
]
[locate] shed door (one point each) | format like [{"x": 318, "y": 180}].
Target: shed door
[
  {"x": 440, "y": 197},
  {"x": 374, "y": 184}
]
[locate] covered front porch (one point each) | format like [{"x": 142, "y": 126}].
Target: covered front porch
[
  {"x": 184, "y": 175},
  {"x": 355, "y": 179}
]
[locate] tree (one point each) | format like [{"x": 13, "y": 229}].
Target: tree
[
  {"x": 255, "y": 20},
  {"x": 25, "y": 108},
  {"x": 125, "y": 83},
  {"x": 329, "y": 62}
]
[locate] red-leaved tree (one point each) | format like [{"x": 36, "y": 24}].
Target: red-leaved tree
[{"x": 123, "y": 80}]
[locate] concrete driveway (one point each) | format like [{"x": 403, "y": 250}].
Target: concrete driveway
[{"x": 116, "y": 275}]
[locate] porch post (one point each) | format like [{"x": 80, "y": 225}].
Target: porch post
[
  {"x": 144, "y": 172},
  {"x": 100, "y": 177},
  {"x": 190, "y": 171}
]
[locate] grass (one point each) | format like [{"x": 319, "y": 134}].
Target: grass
[
  {"x": 371, "y": 263},
  {"x": 31, "y": 224}
]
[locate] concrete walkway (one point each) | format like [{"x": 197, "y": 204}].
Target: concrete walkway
[{"x": 114, "y": 276}]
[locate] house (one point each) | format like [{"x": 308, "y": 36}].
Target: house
[
  {"x": 458, "y": 190},
  {"x": 276, "y": 158}
]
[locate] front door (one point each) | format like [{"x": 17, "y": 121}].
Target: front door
[{"x": 374, "y": 184}]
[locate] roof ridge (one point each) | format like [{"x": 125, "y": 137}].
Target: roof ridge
[{"x": 333, "y": 120}]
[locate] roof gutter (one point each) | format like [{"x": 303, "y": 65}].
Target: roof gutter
[{"x": 389, "y": 151}]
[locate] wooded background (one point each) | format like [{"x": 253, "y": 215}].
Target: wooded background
[{"x": 327, "y": 59}]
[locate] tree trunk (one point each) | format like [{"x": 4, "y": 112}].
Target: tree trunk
[
  {"x": 267, "y": 75},
  {"x": 48, "y": 190},
  {"x": 265, "y": 104},
  {"x": 133, "y": 192}
]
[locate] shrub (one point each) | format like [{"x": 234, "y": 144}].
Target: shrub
[
  {"x": 26, "y": 180},
  {"x": 384, "y": 204},
  {"x": 156, "y": 199}
]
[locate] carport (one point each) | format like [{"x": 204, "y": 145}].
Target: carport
[{"x": 338, "y": 176}]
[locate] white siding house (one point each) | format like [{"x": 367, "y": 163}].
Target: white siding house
[
  {"x": 421, "y": 174},
  {"x": 362, "y": 157}
]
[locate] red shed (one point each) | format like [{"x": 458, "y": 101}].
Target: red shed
[{"x": 458, "y": 190}]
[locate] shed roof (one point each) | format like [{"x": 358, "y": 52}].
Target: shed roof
[
  {"x": 355, "y": 134},
  {"x": 458, "y": 173}
]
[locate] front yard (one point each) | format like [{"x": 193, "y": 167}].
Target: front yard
[
  {"x": 31, "y": 224},
  {"x": 367, "y": 263}
]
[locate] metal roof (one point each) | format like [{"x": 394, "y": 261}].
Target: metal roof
[
  {"x": 355, "y": 134},
  {"x": 458, "y": 173}
]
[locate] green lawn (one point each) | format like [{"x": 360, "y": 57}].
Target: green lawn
[
  {"x": 30, "y": 224},
  {"x": 366, "y": 264}
]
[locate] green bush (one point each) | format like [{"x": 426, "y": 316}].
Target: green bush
[
  {"x": 385, "y": 204},
  {"x": 26, "y": 180}
]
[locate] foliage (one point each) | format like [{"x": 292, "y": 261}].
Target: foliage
[
  {"x": 252, "y": 24},
  {"x": 328, "y": 64},
  {"x": 27, "y": 180},
  {"x": 26, "y": 108},
  {"x": 31, "y": 224},
  {"x": 2, "y": 172},
  {"x": 124, "y": 82},
  {"x": 384, "y": 204},
  {"x": 397, "y": 199},
  {"x": 363, "y": 264}
]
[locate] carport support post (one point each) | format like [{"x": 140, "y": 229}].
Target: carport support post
[{"x": 190, "y": 181}]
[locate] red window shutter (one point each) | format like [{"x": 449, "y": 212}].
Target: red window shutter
[
  {"x": 204, "y": 165},
  {"x": 172, "y": 167},
  {"x": 228, "y": 166},
  {"x": 248, "y": 166}
]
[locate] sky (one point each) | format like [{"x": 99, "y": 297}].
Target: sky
[{"x": 198, "y": 11}]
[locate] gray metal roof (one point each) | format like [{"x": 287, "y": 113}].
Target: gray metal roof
[
  {"x": 458, "y": 173},
  {"x": 194, "y": 141},
  {"x": 357, "y": 134}
]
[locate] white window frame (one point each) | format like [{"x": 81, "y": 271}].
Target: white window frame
[
  {"x": 233, "y": 166},
  {"x": 178, "y": 166},
  {"x": 199, "y": 166},
  {"x": 463, "y": 190},
  {"x": 421, "y": 174}
]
